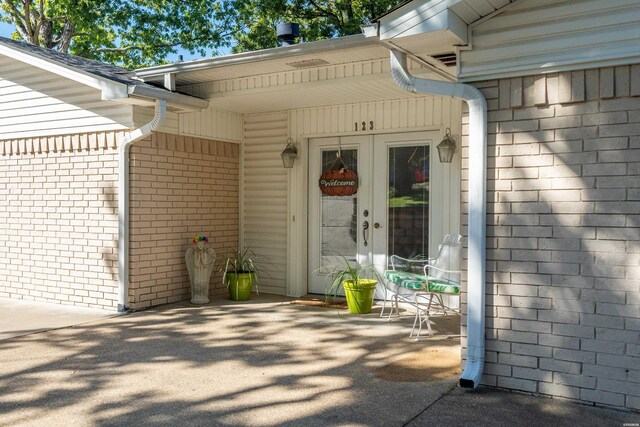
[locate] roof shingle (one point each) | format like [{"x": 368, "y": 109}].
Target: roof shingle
[{"x": 97, "y": 68}]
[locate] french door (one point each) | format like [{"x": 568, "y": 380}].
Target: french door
[{"x": 388, "y": 215}]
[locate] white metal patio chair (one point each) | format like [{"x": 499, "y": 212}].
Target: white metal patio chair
[{"x": 422, "y": 282}]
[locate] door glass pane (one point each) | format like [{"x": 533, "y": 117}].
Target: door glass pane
[
  {"x": 408, "y": 201},
  {"x": 338, "y": 215}
]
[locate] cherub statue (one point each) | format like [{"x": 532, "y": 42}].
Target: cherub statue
[{"x": 200, "y": 260}]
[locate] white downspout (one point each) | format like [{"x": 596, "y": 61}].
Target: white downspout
[
  {"x": 472, "y": 373},
  {"x": 123, "y": 199}
]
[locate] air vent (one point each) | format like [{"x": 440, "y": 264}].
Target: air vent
[
  {"x": 308, "y": 63},
  {"x": 287, "y": 33},
  {"x": 448, "y": 59}
]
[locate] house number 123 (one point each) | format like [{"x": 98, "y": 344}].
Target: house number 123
[{"x": 363, "y": 126}]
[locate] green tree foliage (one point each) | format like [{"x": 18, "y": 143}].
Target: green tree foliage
[
  {"x": 127, "y": 32},
  {"x": 255, "y": 20},
  {"x": 135, "y": 33}
]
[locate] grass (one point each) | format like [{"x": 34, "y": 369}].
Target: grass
[{"x": 406, "y": 201}]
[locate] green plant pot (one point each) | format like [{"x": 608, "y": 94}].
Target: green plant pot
[
  {"x": 359, "y": 295},
  {"x": 240, "y": 286}
]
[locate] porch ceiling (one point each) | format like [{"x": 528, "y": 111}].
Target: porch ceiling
[
  {"x": 352, "y": 69},
  {"x": 312, "y": 94}
]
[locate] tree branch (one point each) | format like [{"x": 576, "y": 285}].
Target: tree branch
[
  {"x": 27, "y": 15},
  {"x": 18, "y": 19},
  {"x": 38, "y": 18},
  {"x": 63, "y": 41},
  {"x": 325, "y": 12}
]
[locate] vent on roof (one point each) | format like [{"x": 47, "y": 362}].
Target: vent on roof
[
  {"x": 287, "y": 33},
  {"x": 308, "y": 63},
  {"x": 448, "y": 59}
]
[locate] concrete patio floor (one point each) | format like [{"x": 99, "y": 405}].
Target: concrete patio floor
[
  {"x": 259, "y": 363},
  {"x": 19, "y": 317}
]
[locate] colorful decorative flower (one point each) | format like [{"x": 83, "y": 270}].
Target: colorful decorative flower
[{"x": 200, "y": 239}]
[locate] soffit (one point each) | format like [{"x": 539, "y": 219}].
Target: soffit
[
  {"x": 472, "y": 10},
  {"x": 427, "y": 16},
  {"x": 428, "y": 28},
  {"x": 317, "y": 94},
  {"x": 431, "y": 44}
]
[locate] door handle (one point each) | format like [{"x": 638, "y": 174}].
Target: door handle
[
  {"x": 365, "y": 227},
  {"x": 377, "y": 225}
]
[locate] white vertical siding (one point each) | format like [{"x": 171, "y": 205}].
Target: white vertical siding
[
  {"x": 34, "y": 103},
  {"x": 210, "y": 124},
  {"x": 417, "y": 113},
  {"x": 548, "y": 35},
  {"x": 213, "y": 124},
  {"x": 264, "y": 202}
]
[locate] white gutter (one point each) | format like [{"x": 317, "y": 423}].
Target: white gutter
[
  {"x": 178, "y": 100},
  {"x": 476, "y": 263},
  {"x": 145, "y": 94},
  {"x": 123, "y": 199}
]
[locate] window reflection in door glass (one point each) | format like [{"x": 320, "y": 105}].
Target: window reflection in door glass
[
  {"x": 408, "y": 201},
  {"x": 339, "y": 218}
]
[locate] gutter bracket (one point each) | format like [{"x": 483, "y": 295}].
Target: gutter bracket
[{"x": 170, "y": 81}]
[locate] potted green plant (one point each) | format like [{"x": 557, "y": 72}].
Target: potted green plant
[
  {"x": 240, "y": 274},
  {"x": 359, "y": 283}
]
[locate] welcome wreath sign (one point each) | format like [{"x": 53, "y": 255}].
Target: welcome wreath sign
[{"x": 338, "y": 182}]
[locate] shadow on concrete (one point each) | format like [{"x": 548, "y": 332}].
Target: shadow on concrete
[{"x": 265, "y": 362}]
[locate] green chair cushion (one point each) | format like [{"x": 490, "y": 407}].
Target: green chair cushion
[
  {"x": 418, "y": 282},
  {"x": 441, "y": 287},
  {"x": 406, "y": 279}
]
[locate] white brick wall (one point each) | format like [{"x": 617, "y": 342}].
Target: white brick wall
[
  {"x": 563, "y": 237},
  {"x": 58, "y": 219},
  {"x": 180, "y": 187}
]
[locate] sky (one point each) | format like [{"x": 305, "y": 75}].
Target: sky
[{"x": 6, "y": 29}]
